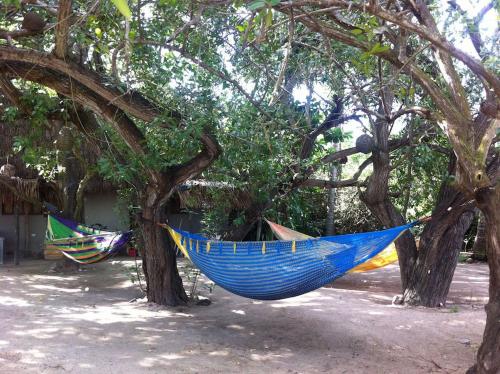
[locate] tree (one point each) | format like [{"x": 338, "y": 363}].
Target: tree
[
  {"x": 61, "y": 72},
  {"x": 406, "y": 36},
  {"x": 369, "y": 86},
  {"x": 469, "y": 134}
]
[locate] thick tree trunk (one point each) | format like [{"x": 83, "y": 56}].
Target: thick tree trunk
[
  {"x": 488, "y": 357},
  {"x": 160, "y": 267},
  {"x": 439, "y": 247},
  {"x": 377, "y": 200},
  {"x": 164, "y": 284},
  {"x": 479, "y": 247},
  {"x": 387, "y": 213}
]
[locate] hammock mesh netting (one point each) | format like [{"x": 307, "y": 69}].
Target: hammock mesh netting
[
  {"x": 386, "y": 257},
  {"x": 280, "y": 269}
]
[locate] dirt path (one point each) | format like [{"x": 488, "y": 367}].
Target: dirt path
[{"x": 83, "y": 322}]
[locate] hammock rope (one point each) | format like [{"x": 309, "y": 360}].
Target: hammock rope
[{"x": 280, "y": 269}]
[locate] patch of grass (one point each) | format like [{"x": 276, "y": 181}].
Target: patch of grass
[
  {"x": 463, "y": 257},
  {"x": 454, "y": 309}
]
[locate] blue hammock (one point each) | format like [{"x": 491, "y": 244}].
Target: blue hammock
[{"x": 280, "y": 269}]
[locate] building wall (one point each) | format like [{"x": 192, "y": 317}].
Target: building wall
[
  {"x": 104, "y": 209},
  {"x": 31, "y": 233},
  {"x": 98, "y": 208}
]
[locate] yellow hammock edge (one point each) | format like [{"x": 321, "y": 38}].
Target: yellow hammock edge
[
  {"x": 178, "y": 240},
  {"x": 384, "y": 258}
]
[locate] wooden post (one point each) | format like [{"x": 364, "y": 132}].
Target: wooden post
[
  {"x": 16, "y": 250},
  {"x": 27, "y": 230}
]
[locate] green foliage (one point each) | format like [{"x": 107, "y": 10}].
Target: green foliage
[
  {"x": 31, "y": 143},
  {"x": 429, "y": 169},
  {"x": 123, "y": 8},
  {"x": 261, "y": 143},
  {"x": 259, "y": 4}
]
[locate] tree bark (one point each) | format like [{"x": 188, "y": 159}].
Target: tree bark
[
  {"x": 332, "y": 199},
  {"x": 479, "y": 247},
  {"x": 80, "y": 195},
  {"x": 439, "y": 247},
  {"x": 488, "y": 357},
  {"x": 71, "y": 182},
  {"x": 389, "y": 216},
  {"x": 159, "y": 262},
  {"x": 18, "y": 234}
]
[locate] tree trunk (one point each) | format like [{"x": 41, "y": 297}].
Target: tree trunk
[
  {"x": 488, "y": 357},
  {"x": 332, "y": 199},
  {"x": 159, "y": 262},
  {"x": 252, "y": 215},
  {"x": 71, "y": 183},
  {"x": 389, "y": 216},
  {"x": 479, "y": 247},
  {"x": 439, "y": 247},
  {"x": 377, "y": 200}
]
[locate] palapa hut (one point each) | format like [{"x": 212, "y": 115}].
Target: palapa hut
[{"x": 22, "y": 191}]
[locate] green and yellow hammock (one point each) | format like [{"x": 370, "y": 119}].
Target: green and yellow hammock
[{"x": 80, "y": 243}]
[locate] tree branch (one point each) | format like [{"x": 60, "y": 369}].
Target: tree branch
[
  {"x": 130, "y": 102},
  {"x": 211, "y": 70},
  {"x": 288, "y": 51},
  {"x": 210, "y": 151},
  {"x": 472, "y": 25},
  {"x": 321, "y": 183},
  {"x": 193, "y": 21},
  {"x": 445, "y": 106},
  {"x": 11, "y": 93},
  {"x": 62, "y": 28},
  {"x": 421, "y": 111},
  {"x": 123, "y": 125},
  {"x": 330, "y": 122},
  {"x": 339, "y": 155},
  {"x": 23, "y": 33},
  {"x": 435, "y": 38},
  {"x": 443, "y": 58},
  {"x": 354, "y": 181}
]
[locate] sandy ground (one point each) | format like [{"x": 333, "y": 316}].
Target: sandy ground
[{"x": 84, "y": 323}]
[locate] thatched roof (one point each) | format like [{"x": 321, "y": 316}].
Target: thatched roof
[
  {"x": 8, "y": 132},
  {"x": 57, "y": 135}
]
